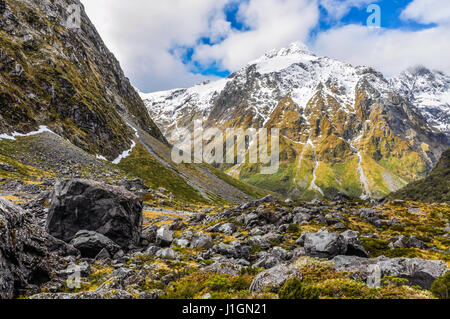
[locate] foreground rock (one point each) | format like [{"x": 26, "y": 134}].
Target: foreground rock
[
  {"x": 418, "y": 271},
  {"x": 87, "y": 205},
  {"x": 274, "y": 278},
  {"x": 26, "y": 257},
  {"x": 90, "y": 244}
]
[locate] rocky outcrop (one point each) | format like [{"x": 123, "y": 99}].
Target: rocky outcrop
[
  {"x": 417, "y": 271},
  {"x": 26, "y": 257},
  {"x": 87, "y": 205}
]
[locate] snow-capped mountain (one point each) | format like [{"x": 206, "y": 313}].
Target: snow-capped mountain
[
  {"x": 344, "y": 128},
  {"x": 429, "y": 91}
]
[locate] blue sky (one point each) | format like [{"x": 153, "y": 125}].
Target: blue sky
[{"x": 170, "y": 44}]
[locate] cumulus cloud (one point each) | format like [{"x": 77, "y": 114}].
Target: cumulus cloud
[
  {"x": 142, "y": 33},
  {"x": 270, "y": 24},
  {"x": 428, "y": 11},
  {"x": 392, "y": 51}
]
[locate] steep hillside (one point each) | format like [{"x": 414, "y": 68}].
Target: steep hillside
[
  {"x": 435, "y": 188},
  {"x": 344, "y": 128},
  {"x": 65, "y": 78}
]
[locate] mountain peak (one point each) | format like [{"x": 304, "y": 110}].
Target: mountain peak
[{"x": 294, "y": 49}]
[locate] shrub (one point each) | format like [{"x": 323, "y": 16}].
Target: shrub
[
  {"x": 217, "y": 283},
  {"x": 295, "y": 289},
  {"x": 441, "y": 287}
]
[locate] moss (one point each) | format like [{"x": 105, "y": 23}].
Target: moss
[{"x": 295, "y": 289}]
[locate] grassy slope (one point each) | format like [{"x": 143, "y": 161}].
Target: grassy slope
[{"x": 433, "y": 189}]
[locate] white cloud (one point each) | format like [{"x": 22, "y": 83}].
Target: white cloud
[
  {"x": 393, "y": 51},
  {"x": 271, "y": 23},
  {"x": 389, "y": 51},
  {"x": 428, "y": 11},
  {"x": 141, "y": 33}
]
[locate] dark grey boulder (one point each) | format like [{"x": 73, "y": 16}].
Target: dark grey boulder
[
  {"x": 91, "y": 243},
  {"x": 354, "y": 245},
  {"x": 27, "y": 259},
  {"x": 164, "y": 236},
  {"x": 87, "y": 205}
]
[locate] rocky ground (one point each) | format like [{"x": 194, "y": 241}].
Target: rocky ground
[{"x": 82, "y": 239}]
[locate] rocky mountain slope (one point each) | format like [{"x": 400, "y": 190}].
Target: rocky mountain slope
[
  {"x": 435, "y": 188},
  {"x": 344, "y": 129},
  {"x": 64, "y": 77}
]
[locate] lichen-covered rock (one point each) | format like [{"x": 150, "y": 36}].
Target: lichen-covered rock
[
  {"x": 87, "y": 205},
  {"x": 274, "y": 278}
]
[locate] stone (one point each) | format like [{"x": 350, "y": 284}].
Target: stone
[
  {"x": 87, "y": 205},
  {"x": 166, "y": 254},
  {"x": 354, "y": 245},
  {"x": 202, "y": 241},
  {"x": 91, "y": 243},
  {"x": 7, "y": 168},
  {"x": 324, "y": 245},
  {"x": 164, "y": 236},
  {"x": 148, "y": 235},
  {"x": 274, "y": 278},
  {"x": 25, "y": 259}
]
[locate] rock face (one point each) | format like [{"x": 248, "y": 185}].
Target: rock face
[
  {"x": 62, "y": 75},
  {"x": 86, "y": 205},
  {"x": 273, "y": 278},
  {"x": 90, "y": 244},
  {"x": 418, "y": 271},
  {"x": 26, "y": 259}
]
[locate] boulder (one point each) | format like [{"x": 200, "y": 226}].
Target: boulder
[
  {"x": 202, "y": 241},
  {"x": 418, "y": 271},
  {"x": 164, "y": 236},
  {"x": 148, "y": 235},
  {"x": 166, "y": 254},
  {"x": 274, "y": 278},
  {"x": 87, "y": 205},
  {"x": 91, "y": 243},
  {"x": 325, "y": 245},
  {"x": 354, "y": 245},
  {"x": 26, "y": 261}
]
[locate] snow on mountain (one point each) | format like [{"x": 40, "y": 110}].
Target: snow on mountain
[
  {"x": 294, "y": 70},
  {"x": 429, "y": 91}
]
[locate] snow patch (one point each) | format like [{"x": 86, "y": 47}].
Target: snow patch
[
  {"x": 124, "y": 154},
  {"x": 42, "y": 129}
]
